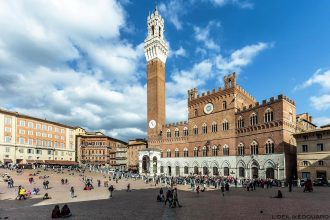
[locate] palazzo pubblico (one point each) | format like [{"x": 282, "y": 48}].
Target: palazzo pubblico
[{"x": 228, "y": 133}]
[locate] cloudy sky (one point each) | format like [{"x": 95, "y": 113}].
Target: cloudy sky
[{"x": 82, "y": 62}]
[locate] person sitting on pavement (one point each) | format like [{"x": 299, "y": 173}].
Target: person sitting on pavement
[
  {"x": 46, "y": 196},
  {"x": 65, "y": 212},
  {"x": 56, "y": 213}
]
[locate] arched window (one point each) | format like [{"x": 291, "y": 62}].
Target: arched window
[
  {"x": 225, "y": 150},
  {"x": 195, "y": 130},
  {"x": 269, "y": 147},
  {"x": 160, "y": 32},
  {"x": 269, "y": 115},
  {"x": 225, "y": 125},
  {"x": 254, "y": 148},
  {"x": 195, "y": 152},
  {"x": 168, "y": 153},
  {"x": 214, "y": 127},
  {"x": 185, "y": 152},
  {"x": 195, "y": 112},
  {"x": 204, "y": 128},
  {"x": 241, "y": 149},
  {"x": 240, "y": 122},
  {"x": 224, "y": 105},
  {"x": 215, "y": 151},
  {"x": 177, "y": 154},
  {"x": 161, "y": 154},
  {"x": 253, "y": 119},
  {"x": 205, "y": 151},
  {"x": 168, "y": 133},
  {"x": 153, "y": 30},
  {"x": 185, "y": 170},
  {"x": 185, "y": 131},
  {"x": 176, "y": 132}
]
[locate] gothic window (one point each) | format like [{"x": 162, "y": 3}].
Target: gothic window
[
  {"x": 225, "y": 150},
  {"x": 254, "y": 119},
  {"x": 185, "y": 152},
  {"x": 160, "y": 31},
  {"x": 224, "y": 105},
  {"x": 168, "y": 133},
  {"x": 240, "y": 122},
  {"x": 176, "y": 132},
  {"x": 215, "y": 151},
  {"x": 168, "y": 153},
  {"x": 204, "y": 151},
  {"x": 269, "y": 116},
  {"x": 225, "y": 125},
  {"x": 177, "y": 154},
  {"x": 269, "y": 147},
  {"x": 241, "y": 149},
  {"x": 195, "y": 112},
  {"x": 153, "y": 30},
  {"x": 204, "y": 129},
  {"x": 254, "y": 148},
  {"x": 195, "y": 130},
  {"x": 185, "y": 131},
  {"x": 214, "y": 127},
  {"x": 195, "y": 152}
]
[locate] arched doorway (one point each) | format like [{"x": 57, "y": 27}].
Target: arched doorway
[
  {"x": 270, "y": 173},
  {"x": 169, "y": 171},
  {"x": 215, "y": 171},
  {"x": 177, "y": 171},
  {"x": 255, "y": 172},
  {"x": 226, "y": 171},
  {"x": 195, "y": 170},
  {"x": 241, "y": 172},
  {"x": 154, "y": 164},
  {"x": 145, "y": 164},
  {"x": 205, "y": 171}
]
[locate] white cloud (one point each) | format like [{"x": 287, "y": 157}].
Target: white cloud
[
  {"x": 321, "y": 77},
  {"x": 66, "y": 61},
  {"x": 319, "y": 121},
  {"x": 240, "y": 58},
  {"x": 321, "y": 102},
  {"x": 240, "y": 3},
  {"x": 172, "y": 10},
  {"x": 203, "y": 35},
  {"x": 179, "y": 52}
]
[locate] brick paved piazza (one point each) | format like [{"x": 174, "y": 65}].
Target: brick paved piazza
[{"x": 141, "y": 203}]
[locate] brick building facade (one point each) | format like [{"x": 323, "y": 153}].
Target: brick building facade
[
  {"x": 227, "y": 133},
  {"x": 95, "y": 148}
]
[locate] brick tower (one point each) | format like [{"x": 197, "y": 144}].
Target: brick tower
[{"x": 155, "y": 50}]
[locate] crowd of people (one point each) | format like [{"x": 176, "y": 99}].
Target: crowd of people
[{"x": 197, "y": 183}]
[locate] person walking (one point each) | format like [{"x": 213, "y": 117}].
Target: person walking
[
  {"x": 72, "y": 192},
  {"x": 111, "y": 189},
  {"x": 175, "y": 198},
  {"x": 222, "y": 185},
  {"x": 128, "y": 187}
]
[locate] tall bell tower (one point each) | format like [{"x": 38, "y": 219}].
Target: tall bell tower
[{"x": 155, "y": 50}]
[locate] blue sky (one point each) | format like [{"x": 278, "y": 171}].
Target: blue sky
[{"x": 82, "y": 62}]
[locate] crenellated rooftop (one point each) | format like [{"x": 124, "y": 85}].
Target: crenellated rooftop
[
  {"x": 266, "y": 102},
  {"x": 245, "y": 92}
]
